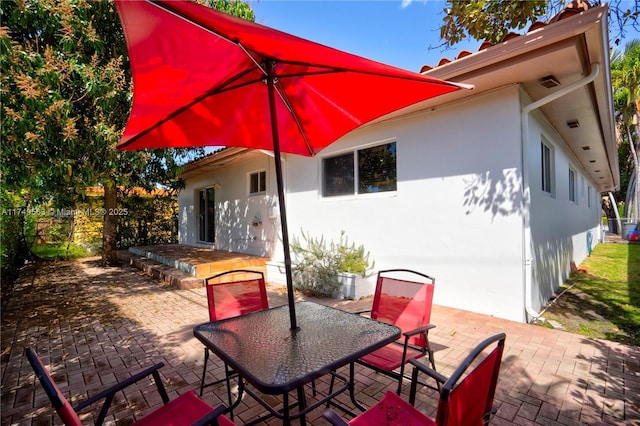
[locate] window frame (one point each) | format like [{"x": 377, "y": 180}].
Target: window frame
[
  {"x": 573, "y": 185},
  {"x": 356, "y": 175},
  {"x": 206, "y": 218},
  {"x": 547, "y": 184},
  {"x": 261, "y": 182}
]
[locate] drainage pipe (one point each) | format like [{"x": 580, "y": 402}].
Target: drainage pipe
[{"x": 530, "y": 314}]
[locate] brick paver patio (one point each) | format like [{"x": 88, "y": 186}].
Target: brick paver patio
[{"x": 95, "y": 325}]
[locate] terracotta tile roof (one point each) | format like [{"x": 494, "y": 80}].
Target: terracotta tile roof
[{"x": 573, "y": 8}]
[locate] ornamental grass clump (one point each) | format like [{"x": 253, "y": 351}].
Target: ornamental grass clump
[{"x": 318, "y": 263}]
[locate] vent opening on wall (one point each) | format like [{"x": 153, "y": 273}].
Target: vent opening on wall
[{"x": 548, "y": 81}]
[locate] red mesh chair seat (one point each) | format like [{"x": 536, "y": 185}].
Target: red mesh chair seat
[
  {"x": 187, "y": 409},
  {"x": 392, "y": 410},
  {"x": 390, "y": 357},
  {"x": 466, "y": 398}
]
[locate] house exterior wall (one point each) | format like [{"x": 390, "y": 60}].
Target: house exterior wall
[
  {"x": 561, "y": 231},
  {"x": 456, "y": 214},
  {"x": 242, "y": 221}
]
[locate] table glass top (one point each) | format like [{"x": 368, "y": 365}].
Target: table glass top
[{"x": 274, "y": 357}]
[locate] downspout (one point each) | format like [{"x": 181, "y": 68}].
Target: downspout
[{"x": 530, "y": 314}]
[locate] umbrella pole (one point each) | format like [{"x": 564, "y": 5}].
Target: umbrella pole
[{"x": 283, "y": 210}]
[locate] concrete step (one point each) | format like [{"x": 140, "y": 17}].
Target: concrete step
[{"x": 166, "y": 274}]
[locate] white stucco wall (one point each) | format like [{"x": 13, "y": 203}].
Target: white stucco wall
[
  {"x": 559, "y": 227},
  {"x": 236, "y": 211},
  {"x": 456, "y": 213}
]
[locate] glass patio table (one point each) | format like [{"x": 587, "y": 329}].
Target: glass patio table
[{"x": 275, "y": 360}]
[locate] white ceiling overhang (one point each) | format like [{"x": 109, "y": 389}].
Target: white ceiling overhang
[{"x": 565, "y": 50}]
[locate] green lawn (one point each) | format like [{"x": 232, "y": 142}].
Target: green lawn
[
  {"x": 603, "y": 302},
  {"x": 60, "y": 251}
]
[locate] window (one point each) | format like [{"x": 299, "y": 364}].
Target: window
[
  {"x": 338, "y": 175},
  {"x": 572, "y": 185},
  {"x": 589, "y": 196},
  {"x": 547, "y": 172},
  {"x": 364, "y": 171},
  {"x": 377, "y": 169},
  {"x": 206, "y": 208},
  {"x": 258, "y": 183}
]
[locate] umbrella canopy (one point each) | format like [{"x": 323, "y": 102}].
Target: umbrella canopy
[{"x": 204, "y": 78}]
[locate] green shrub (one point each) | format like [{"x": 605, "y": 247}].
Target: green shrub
[{"x": 318, "y": 263}]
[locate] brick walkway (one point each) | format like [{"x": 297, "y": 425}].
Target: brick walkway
[{"x": 94, "y": 325}]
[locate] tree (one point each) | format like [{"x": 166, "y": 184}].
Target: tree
[
  {"x": 66, "y": 96},
  {"x": 625, "y": 78},
  {"x": 491, "y": 20},
  {"x": 487, "y": 20}
]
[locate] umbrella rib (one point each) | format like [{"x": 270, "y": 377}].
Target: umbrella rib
[
  {"x": 168, "y": 9},
  {"x": 286, "y": 102},
  {"x": 329, "y": 69},
  {"x": 250, "y": 56},
  {"x": 208, "y": 93},
  {"x": 160, "y": 4}
]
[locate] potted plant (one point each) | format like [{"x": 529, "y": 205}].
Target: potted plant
[{"x": 333, "y": 269}]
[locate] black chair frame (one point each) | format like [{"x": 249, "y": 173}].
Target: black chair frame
[{"x": 109, "y": 393}]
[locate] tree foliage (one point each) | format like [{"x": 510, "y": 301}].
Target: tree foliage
[
  {"x": 487, "y": 20},
  {"x": 66, "y": 96},
  {"x": 491, "y": 20},
  {"x": 625, "y": 78}
]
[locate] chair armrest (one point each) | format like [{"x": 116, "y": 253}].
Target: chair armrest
[
  {"x": 428, "y": 371},
  {"x": 334, "y": 418},
  {"x": 360, "y": 312},
  {"x": 418, "y": 330},
  {"x": 109, "y": 393},
  {"x": 211, "y": 416}
]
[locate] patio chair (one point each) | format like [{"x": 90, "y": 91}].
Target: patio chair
[
  {"x": 187, "y": 409},
  {"x": 231, "y": 294},
  {"x": 403, "y": 298},
  {"x": 466, "y": 398}
]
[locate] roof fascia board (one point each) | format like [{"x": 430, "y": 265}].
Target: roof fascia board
[
  {"x": 193, "y": 167},
  {"x": 534, "y": 40},
  {"x": 607, "y": 111}
]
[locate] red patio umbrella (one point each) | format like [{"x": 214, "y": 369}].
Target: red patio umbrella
[{"x": 204, "y": 78}]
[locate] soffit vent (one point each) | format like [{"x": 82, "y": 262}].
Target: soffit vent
[{"x": 548, "y": 81}]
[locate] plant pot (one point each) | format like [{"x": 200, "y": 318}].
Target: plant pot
[
  {"x": 354, "y": 286},
  {"x": 276, "y": 272}
]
